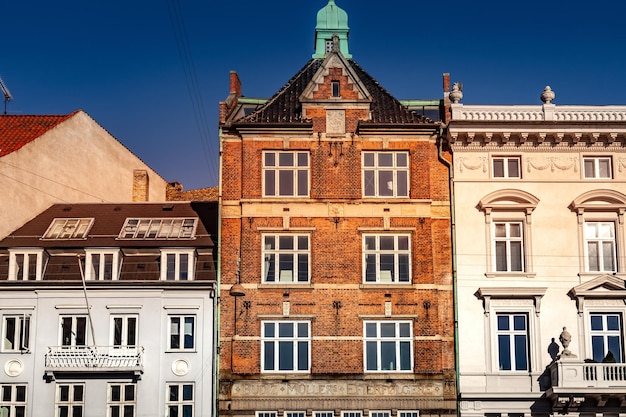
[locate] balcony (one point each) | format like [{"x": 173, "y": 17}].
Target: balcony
[
  {"x": 93, "y": 359},
  {"x": 575, "y": 382}
]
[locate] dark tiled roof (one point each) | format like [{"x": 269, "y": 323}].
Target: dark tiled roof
[
  {"x": 285, "y": 108},
  {"x": 108, "y": 222},
  {"x": 18, "y": 130}
]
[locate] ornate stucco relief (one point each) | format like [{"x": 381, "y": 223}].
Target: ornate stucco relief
[
  {"x": 553, "y": 163},
  {"x": 335, "y": 121},
  {"x": 473, "y": 163},
  {"x": 621, "y": 164}
]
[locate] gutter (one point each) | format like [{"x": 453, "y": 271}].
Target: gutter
[{"x": 450, "y": 167}]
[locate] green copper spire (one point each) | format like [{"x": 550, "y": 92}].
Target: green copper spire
[{"x": 330, "y": 20}]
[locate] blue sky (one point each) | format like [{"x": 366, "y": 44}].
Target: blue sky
[{"x": 119, "y": 60}]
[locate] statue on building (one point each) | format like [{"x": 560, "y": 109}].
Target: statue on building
[{"x": 565, "y": 338}]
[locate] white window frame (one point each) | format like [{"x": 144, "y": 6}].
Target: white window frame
[
  {"x": 296, "y": 252},
  {"x": 279, "y": 343},
  {"x": 275, "y": 173},
  {"x": 408, "y": 413},
  {"x": 266, "y": 414},
  {"x": 397, "y": 339},
  {"x": 508, "y": 240},
  {"x": 180, "y": 403},
  {"x": 68, "y": 228},
  {"x": 380, "y": 413},
  {"x": 98, "y": 257},
  {"x": 73, "y": 331},
  {"x": 123, "y": 403},
  {"x": 159, "y": 228},
  {"x": 386, "y": 276},
  {"x": 374, "y": 171},
  {"x": 511, "y": 335},
  {"x": 597, "y": 174},
  {"x": 351, "y": 413},
  {"x": 15, "y": 400},
  {"x": 126, "y": 330},
  {"x": 179, "y": 331},
  {"x": 605, "y": 333},
  {"x": 506, "y": 167},
  {"x": 599, "y": 240},
  {"x": 20, "y": 333},
  {"x": 23, "y": 271},
  {"x": 323, "y": 414},
  {"x": 294, "y": 413},
  {"x": 178, "y": 273},
  {"x": 71, "y": 401}
]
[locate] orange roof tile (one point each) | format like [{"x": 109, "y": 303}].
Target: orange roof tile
[{"x": 18, "y": 130}]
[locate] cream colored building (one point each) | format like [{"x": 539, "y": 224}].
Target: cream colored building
[
  {"x": 66, "y": 158},
  {"x": 539, "y": 194}
]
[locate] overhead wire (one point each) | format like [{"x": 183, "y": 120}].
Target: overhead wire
[{"x": 189, "y": 69}]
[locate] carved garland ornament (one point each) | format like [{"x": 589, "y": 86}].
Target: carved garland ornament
[
  {"x": 481, "y": 164},
  {"x": 621, "y": 164},
  {"x": 552, "y": 164}
]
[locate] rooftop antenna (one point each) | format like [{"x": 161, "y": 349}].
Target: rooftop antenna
[{"x": 7, "y": 94}]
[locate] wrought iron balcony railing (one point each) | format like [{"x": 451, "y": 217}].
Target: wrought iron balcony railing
[{"x": 94, "y": 359}]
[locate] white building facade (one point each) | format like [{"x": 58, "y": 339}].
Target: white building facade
[
  {"x": 108, "y": 310},
  {"x": 539, "y": 194}
]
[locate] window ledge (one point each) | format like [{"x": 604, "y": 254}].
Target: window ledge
[
  {"x": 510, "y": 274},
  {"x": 385, "y": 286},
  {"x": 290, "y": 285}
]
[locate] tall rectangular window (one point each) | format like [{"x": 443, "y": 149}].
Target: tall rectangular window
[
  {"x": 26, "y": 265},
  {"x": 286, "y": 346},
  {"x": 121, "y": 400},
  {"x": 387, "y": 258},
  {"x": 70, "y": 400},
  {"x": 13, "y": 400},
  {"x": 508, "y": 241},
  {"x": 286, "y": 258},
  {"x": 285, "y": 174},
  {"x": 512, "y": 334},
  {"x": 600, "y": 246},
  {"x": 606, "y": 337},
  {"x": 506, "y": 167},
  {"x": 124, "y": 330},
  {"x": 335, "y": 86},
  {"x": 385, "y": 174},
  {"x": 179, "y": 400},
  {"x": 595, "y": 167},
  {"x": 177, "y": 264},
  {"x": 73, "y": 330},
  {"x": 102, "y": 265},
  {"x": 388, "y": 346},
  {"x": 181, "y": 332},
  {"x": 15, "y": 333}
]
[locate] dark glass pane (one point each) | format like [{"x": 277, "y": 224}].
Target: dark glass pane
[
  {"x": 116, "y": 393},
  {"x": 187, "y": 392},
  {"x": 303, "y": 356},
  {"x": 612, "y": 322},
  {"x": 285, "y": 356},
  {"x": 270, "y": 268},
  {"x": 368, "y": 159},
  {"x": 596, "y": 323},
  {"x": 132, "y": 331},
  {"x": 171, "y": 266},
  {"x": 388, "y": 356},
  {"x": 184, "y": 267},
  {"x": 172, "y": 411},
  {"x": 303, "y": 267},
  {"x": 117, "y": 331},
  {"x": 64, "y": 393},
  {"x": 385, "y": 159},
  {"x": 269, "y": 329},
  {"x": 504, "y": 352},
  {"x": 115, "y": 410},
  {"x": 388, "y": 329},
  {"x": 303, "y": 159},
  {"x": 268, "y": 356},
  {"x": 503, "y": 322},
  {"x": 498, "y": 168},
  {"x": 78, "y": 393},
  {"x": 66, "y": 329},
  {"x": 385, "y": 183},
  {"x": 403, "y": 243},
  {"x": 402, "y": 186},
  {"x": 129, "y": 392},
  {"x": 6, "y": 393},
  {"x": 403, "y": 266},
  {"x": 270, "y": 159},
  {"x": 514, "y": 168},
  {"x": 387, "y": 242},
  {"x": 285, "y": 330},
  {"x": 303, "y": 242},
  {"x": 402, "y": 160},
  {"x": 589, "y": 168},
  {"x": 173, "y": 392},
  {"x": 405, "y": 356},
  {"x": 371, "y": 357},
  {"x": 108, "y": 266},
  {"x": 387, "y": 268},
  {"x": 174, "y": 332},
  {"x": 370, "y": 268},
  {"x": 521, "y": 362},
  {"x": 500, "y": 229},
  {"x": 20, "y": 393},
  {"x": 303, "y": 329},
  {"x": 32, "y": 267},
  {"x": 501, "y": 256},
  {"x": 303, "y": 182},
  {"x": 368, "y": 184},
  {"x": 286, "y": 242},
  {"x": 187, "y": 410},
  {"x": 516, "y": 256},
  {"x": 64, "y": 411},
  {"x": 189, "y": 330},
  {"x": 9, "y": 333},
  {"x": 615, "y": 347},
  {"x": 285, "y": 159},
  {"x": 81, "y": 331},
  {"x": 270, "y": 183},
  {"x": 77, "y": 411},
  {"x": 270, "y": 242},
  {"x": 597, "y": 348},
  {"x": 129, "y": 411},
  {"x": 20, "y": 411},
  {"x": 405, "y": 329},
  {"x": 519, "y": 322},
  {"x": 285, "y": 182},
  {"x": 370, "y": 330}
]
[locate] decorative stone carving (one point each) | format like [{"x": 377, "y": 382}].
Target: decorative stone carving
[
  {"x": 548, "y": 95},
  {"x": 552, "y": 163},
  {"x": 464, "y": 163},
  {"x": 457, "y": 93},
  {"x": 565, "y": 338},
  {"x": 336, "y": 121}
]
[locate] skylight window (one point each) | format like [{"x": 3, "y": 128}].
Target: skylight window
[
  {"x": 68, "y": 228},
  {"x": 170, "y": 228}
]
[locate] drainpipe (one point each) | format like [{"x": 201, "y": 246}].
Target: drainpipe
[
  {"x": 450, "y": 167},
  {"x": 216, "y": 300}
]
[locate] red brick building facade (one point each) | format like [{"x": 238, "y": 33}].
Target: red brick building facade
[{"x": 336, "y": 286}]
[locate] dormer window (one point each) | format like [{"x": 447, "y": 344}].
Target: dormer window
[
  {"x": 102, "y": 264},
  {"x": 72, "y": 228},
  {"x": 26, "y": 264},
  {"x": 335, "y": 87}
]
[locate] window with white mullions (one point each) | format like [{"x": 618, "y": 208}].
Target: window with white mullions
[
  {"x": 13, "y": 400},
  {"x": 506, "y": 167},
  {"x": 597, "y": 167},
  {"x": 266, "y": 414},
  {"x": 102, "y": 264},
  {"x": 351, "y": 414},
  {"x": 124, "y": 331},
  {"x": 15, "y": 333},
  {"x": 73, "y": 330},
  {"x": 286, "y": 346},
  {"x": 387, "y": 258},
  {"x": 177, "y": 264},
  {"x": 70, "y": 400},
  {"x": 285, "y": 174},
  {"x": 388, "y": 346},
  {"x": 26, "y": 264},
  {"x": 121, "y": 400},
  {"x": 182, "y": 332},
  {"x": 286, "y": 258},
  {"x": 600, "y": 246},
  {"x": 606, "y": 337},
  {"x": 179, "y": 401},
  {"x": 512, "y": 334},
  {"x": 385, "y": 174},
  {"x": 508, "y": 243}
]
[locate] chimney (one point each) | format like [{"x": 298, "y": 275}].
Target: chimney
[
  {"x": 235, "y": 84},
  {"x": 140, "y": 185},
  {"x": 447, "y": 113}
]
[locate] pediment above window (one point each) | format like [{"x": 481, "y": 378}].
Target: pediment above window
[
  {"x": 600, "y": 200},
  {"x": 508, "y": 200},
  {"x": 511, "y": 293},
  {"x": 603, "y": 287}
]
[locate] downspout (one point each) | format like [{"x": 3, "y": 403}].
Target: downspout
[
  {"x": 218, "y": 293},
  {"x": 450, "y": 167}
]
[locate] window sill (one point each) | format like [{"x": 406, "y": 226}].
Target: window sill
[
  {"x": 290, "y": 285},
  {"x": 510, "y": 274},
  {"x": 385, "y": 285}
]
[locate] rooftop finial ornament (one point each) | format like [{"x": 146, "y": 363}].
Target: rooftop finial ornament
[
  {"x": 548, "y": 95},
  {"x": 457, "y": 93}
]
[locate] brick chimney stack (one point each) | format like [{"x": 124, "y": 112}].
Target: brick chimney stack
[
  {"x": 233, "y": 96},
  {"x": 140, "y": 185},
  {"x": 446, "y": 97}
]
